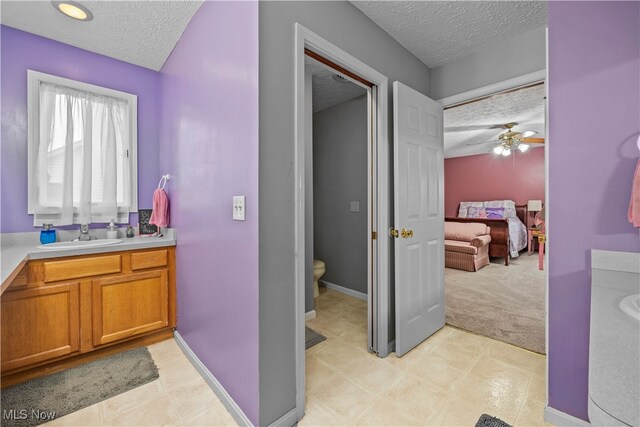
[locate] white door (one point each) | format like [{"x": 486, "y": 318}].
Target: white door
[{"x": 418, "y": 162}]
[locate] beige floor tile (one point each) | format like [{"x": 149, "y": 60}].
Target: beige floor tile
[
  {"x": 214, "y": 414},
  {"x": 538, "y": 386},
  {"x": 374, "y": 374},
  {"x": 192, "y": 397},
  {"x": 156, "y": 412},
  {"x": 317, "y": 372},
  {"x": 87, "y": 417},
  {"x": 531, "y": 414},
  {"x": 131, "y": 399},
  {"x": 340, "y": 356},
  {"x": 341, "y": 398},
  {"x": 175, "y": 375},
  {"x": 167, "y": 353},
  {"x": 417, "y": 397},
  {"x": 497, "y": 370},
  {"x": 438, "y": 372},
  {"x": 514, "y": 355},
  {"x": 384, "y": 413},
  {"x": 315, "y": 415}
]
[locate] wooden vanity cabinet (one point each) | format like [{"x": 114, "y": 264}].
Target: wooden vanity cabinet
[
  {"x": 63, "y": 311},
  {"x": 40, "y": 324}
]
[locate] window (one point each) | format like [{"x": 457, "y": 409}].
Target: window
[{"x": 82, "y": 152}]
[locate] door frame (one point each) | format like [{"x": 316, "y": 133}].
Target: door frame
[
  {"x": 379, "y": 180},
  {"x": 506, "y": 85}
]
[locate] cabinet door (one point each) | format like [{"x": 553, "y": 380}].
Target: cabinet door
[
  {"x": 129, "y": 305},
  {"x": 40, "y": 324}
]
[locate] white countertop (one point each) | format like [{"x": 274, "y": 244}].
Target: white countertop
[{"x": 17, "y": 248}]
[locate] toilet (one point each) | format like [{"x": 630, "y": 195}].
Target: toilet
[{"x": 318, "y": 271}]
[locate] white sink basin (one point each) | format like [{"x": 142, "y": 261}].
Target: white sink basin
[
  {"x": 631, "y": 306},
  {"x": 84, "y": 244}
]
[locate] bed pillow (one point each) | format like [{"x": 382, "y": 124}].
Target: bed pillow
[
  {"x": 509, "y": 207},
  {"x": 475, "y": 212},
  {"x": 494, "y": 213},
  {"x": 464, "y": 207}
]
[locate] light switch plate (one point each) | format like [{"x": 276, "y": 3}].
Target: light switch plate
[
  {"x": 238, "y": 208},
  {"x": 355, "y": 206}
]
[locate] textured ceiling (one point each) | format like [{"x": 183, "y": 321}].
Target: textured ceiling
[
  {"x": 328, "y": 92},
  {"x": 474, "y": 128},
  {"x": 139, "y": 32},
  {"x": 437, "y": 32}
]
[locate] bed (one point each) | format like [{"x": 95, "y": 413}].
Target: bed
[{"x": 508, "y": 235}]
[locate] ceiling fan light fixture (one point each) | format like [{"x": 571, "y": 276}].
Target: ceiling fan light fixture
[
  {"x": 73, "y": 10},
  {"x": 498, "y": 149},
  {"x": 523, "y": 147},
  {"x": 506, "y": 152}
]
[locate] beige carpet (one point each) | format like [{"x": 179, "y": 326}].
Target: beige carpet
[{"x": 504, "y": 303}]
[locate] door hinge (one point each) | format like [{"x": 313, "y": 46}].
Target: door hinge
[{"x": 374, "y": 235}]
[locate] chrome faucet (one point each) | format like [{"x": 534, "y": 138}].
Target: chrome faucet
[{"x": 84, "y": 234}]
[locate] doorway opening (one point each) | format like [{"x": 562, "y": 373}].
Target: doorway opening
[
  {"x": 495, "y": 177},
  {"x": 311, "y": 48}
]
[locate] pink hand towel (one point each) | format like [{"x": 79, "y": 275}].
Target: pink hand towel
[
  {"x": 160, "y": 214},
  {"x": 634, "y": 204}
]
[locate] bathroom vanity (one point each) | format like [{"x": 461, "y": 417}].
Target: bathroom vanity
[
  {"x": 614, "y": 353},
  {"x": 61, "y": 308}
]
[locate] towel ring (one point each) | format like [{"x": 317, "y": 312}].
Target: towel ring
[{"x": 163, "y": 181}]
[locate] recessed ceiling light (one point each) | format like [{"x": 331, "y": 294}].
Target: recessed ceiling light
[{"x": 73, "y": 10}]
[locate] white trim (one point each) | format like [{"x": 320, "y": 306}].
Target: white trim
[
  {"x": 343, "y": 290},
  {"x": 559, "y": 418},
  {"x": 536, "y": 76},
  {"x": 287, "y": 420},
  {"x": 215, "y": 385},
  {"x": 33, "y": 129},
  {"x": 309, "y": 315},
  {"x": 379, "y": 283},
  {"x": 547, "y": 214}
]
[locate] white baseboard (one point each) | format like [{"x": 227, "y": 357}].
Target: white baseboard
[
  {"x": 309, "y": 315},
  {"x": 559, "y": 418},
  {"x": 344, "y": 290},
  {"x": 287, "y": 420},
  {"x": 215, "y": 385}
]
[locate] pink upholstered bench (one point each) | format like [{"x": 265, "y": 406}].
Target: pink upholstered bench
[{"x": 466, "y": 245}]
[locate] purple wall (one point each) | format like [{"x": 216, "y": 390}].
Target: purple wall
[
  {"x": 21, "y": 51},
  {"x": 594, "y": 88},
  {"x": 209, "y": 143}
]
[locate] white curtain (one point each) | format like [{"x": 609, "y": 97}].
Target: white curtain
[{"x": 81, "y": 173}]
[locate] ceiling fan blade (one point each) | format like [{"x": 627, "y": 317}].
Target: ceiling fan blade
[
  {"x": 533, "y": 140},
  {"x": 527, "y": 133}
]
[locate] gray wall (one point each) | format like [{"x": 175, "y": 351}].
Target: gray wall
[
  {"x": 522, "y": 54},
  {"x": 345, "y": 26},
  {"x": 339, "y": 177},
  {"x": 308, "y": 192}
]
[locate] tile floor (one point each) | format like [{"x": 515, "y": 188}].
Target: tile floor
[
  {"x": 448, "y": 380},
  {"x": 180, "y": 397}
]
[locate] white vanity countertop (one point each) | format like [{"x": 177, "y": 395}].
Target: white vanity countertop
[{"x": 17, "y": 248}]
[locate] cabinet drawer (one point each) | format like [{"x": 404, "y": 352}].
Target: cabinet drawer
[
  {"x": 150, "y": 259},
  {"x": 81, "y": 267}
]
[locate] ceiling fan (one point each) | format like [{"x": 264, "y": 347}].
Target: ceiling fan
[{"x": 512, "y": 139}]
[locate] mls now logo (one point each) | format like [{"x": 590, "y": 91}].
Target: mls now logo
[{"x": 23, "y": 414}]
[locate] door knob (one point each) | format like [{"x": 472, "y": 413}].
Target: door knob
[
  {"x": 393, "y": 232},
  {"x": 406, "y": 233}
]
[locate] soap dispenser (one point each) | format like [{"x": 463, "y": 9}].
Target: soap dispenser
[
  {"x": 112, "y": 230},
  {"x": 47, "y": 234}
]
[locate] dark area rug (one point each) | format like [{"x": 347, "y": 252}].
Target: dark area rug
[
  {"x": 312, "y": 338},
  {"x": 43, "y": 399},
  {"x": 489, "y": 421}
]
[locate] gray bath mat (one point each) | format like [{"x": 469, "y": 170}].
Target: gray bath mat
[
  {"x": 35, "y": 402},
  {"x": 312, "y": 338},
  {"x": 489, "y": 421}
]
